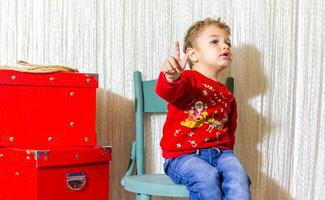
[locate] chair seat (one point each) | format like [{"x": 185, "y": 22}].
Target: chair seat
[{"x": 154, "y": 184}]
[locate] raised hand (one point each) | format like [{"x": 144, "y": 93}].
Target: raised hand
[{"x": 173, "y": 66}]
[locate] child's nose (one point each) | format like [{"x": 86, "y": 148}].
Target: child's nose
[{"x": 226, "y": 47}]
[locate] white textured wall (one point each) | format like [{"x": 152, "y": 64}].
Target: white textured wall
[{"x": 278, "y": 66}]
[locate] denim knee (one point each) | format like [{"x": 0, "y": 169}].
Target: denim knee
[
  {"x": 199, "y": 177},
  {"x": 207, "y": 178}
]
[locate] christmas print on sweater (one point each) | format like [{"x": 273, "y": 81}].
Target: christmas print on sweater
[{"x": 202, "y": 113}]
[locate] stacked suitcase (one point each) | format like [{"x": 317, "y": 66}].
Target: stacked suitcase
[{"x": 48, "y": 140}]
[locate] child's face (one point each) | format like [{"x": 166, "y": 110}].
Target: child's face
[{"x": 213, "y": 48}]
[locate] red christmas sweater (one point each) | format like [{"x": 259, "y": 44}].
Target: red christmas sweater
[{"x": 202, "y": 113}]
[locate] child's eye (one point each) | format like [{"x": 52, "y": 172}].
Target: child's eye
[{"x": 214, "y": 41}]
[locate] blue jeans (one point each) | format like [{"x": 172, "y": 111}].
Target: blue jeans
[{"x": 210, "y": 174}]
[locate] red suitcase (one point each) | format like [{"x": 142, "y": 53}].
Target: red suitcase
[
  {"x": 51, "y": 109},
  {"x": 54, "y": 174}
]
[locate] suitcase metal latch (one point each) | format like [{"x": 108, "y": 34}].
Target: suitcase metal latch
[{"x": 76, "y": 181}]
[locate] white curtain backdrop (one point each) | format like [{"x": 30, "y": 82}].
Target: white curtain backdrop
[{"x": 278, "y": 66}]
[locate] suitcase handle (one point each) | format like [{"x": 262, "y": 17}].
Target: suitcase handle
[{"x": 76, "y": 180}]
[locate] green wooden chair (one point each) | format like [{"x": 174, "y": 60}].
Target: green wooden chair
[{"x": 147, "y": 185}]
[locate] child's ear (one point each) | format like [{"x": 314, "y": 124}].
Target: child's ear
[{"x": 193, "y": 55}]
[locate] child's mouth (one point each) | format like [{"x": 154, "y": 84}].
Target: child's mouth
[{"x": 225, "y": 55}]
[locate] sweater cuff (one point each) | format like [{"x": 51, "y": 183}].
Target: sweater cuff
[{"x": 162, "y": 77}]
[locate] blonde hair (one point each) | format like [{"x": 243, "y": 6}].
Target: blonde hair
[{"x": 197, "y": 28}]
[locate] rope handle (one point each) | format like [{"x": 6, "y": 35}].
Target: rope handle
[{"x": 37, "y": 68}]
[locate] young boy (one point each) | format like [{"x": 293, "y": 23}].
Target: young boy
[{"x": 199, "y": 132}]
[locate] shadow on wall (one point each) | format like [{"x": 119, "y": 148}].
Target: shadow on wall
[
  {"x": 115, "y": 127},
  {"x": 252, "y": 126}
]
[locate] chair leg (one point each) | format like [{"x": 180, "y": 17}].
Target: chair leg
[{"x": 143, "y": 197}]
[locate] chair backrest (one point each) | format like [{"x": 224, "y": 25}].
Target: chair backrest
[{"x": 146, "y": 101}]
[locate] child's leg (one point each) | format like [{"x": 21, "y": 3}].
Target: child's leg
[
  {"x": 199, "y": 177},
  {"x": 235, "y": 183}
]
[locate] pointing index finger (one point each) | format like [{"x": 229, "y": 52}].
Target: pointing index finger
[
  {"x": 177, "y": 52},
  {"x": 184, "y": 60}
]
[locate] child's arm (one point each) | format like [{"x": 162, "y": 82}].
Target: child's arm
[
  {"x": 170, "y": 86},
  {"x": 232, "y": 125}
]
